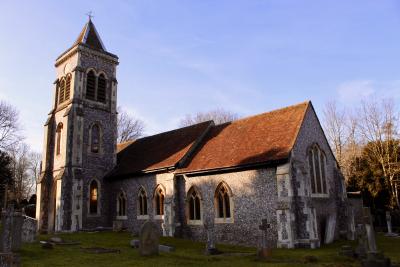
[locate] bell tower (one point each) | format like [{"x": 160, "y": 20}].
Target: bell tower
[{"x": 80, "y": 137}]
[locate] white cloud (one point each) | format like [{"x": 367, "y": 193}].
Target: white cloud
[{"x": 353, "y": 91}]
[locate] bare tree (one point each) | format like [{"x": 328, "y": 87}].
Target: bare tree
[
  {"x": 22, "y": 182},
  {"x": 129, "y": 127},
  {"x": 380, "y": 129},
  {"x": 335, "y": 129},
  {"x": 341, "y": 128},
  {"x": 9, "y": 127},
  {"x": 34, "y": 165},
  {"x": 219, "y": 116}
]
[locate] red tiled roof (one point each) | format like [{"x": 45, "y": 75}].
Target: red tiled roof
[
  {"x": 262, "y": 138},
  {"x": 159, "y": 151}
]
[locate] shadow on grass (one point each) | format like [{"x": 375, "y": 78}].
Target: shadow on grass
[{"x": 187, "y": 253}]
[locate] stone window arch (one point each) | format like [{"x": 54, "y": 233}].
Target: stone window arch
[
  {"x": 194, "y": 207},
  {"x": 317, "y": 167},
  {"x": 223, "y": 203},
  {"x": 90, "y": 85},
  {"x": 59, "y": 138},
  {"x": 94, "y": 197},
  {"x": 121, "y": 205},
  {"x": 158, "y": 200},
  {"x": 101, "y": 88},
  {"x": 95, "y": 138},
  {"x": 142, "y": 202}
]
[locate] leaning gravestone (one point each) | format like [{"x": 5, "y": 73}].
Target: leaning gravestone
[
  {"x": 149, "y": 239},
  {"x": 264, "y": 251},
  {"x": 374, "y": 258}
]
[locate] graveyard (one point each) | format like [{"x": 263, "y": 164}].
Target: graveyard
[{"x": 187, "y": 253}]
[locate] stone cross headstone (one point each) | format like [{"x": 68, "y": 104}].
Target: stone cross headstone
[
  {"x": 369, "y": 227},
  {"x": 264, "y": 251},
  {"x": 210, "y": 244},
  {"x": 149, "y": 239}
]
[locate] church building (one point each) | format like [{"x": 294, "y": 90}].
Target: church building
[{"x": 275, "y": 167}]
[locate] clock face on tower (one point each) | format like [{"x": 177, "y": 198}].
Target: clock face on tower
[{"x": 67, "y": 68}]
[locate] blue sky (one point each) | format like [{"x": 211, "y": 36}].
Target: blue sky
[{"x": 181, "y": 57}]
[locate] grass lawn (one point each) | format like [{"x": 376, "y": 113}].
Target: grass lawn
[{"x": 187, "y": 253}]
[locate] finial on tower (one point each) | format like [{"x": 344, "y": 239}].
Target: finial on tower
[{"x": 89, "y": 14}]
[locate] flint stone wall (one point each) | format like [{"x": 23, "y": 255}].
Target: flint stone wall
[
  {"x": 254, "y": 197},
  {"x": 131, "y": 187},
  {"x": 325, "y": 206}
]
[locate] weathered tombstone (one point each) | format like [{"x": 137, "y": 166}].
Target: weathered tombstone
[
  {"x": 374, "y": 258},
  {"x": 6, "y": 230},
  {"x": 149, "y": 239},
  {"x": 361, "y": 250},
  {"x": 16, "y": 231},
  {"x": 389, "y": 225},
  {"x": 264, "y": 251},
  {"x": 29, "y": 230},
  {"x": 369, "y": 227},
  {"x": 9, "y": 240},
  {"x": 167, "y": 225}
]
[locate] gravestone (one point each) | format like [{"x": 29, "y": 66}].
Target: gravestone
[
  {"x": 16, "y": 231},
  {"x": 361, "y": 250},
  {"x": 149, "y": 239},
  {"x": 264, "y": 251},
  {"x": 374, "y": 258},
  {"x": 369, "y": 227},
  {"x": 29, "y": 230},
  {"x": 389, "y": 225},
  {"x": 210, "y": 232},
  {"x": 9, "y": 239},
  {"x": 167, "y": 225},
  {"x": 330, "y": 229}
]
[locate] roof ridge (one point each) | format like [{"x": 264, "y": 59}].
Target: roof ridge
[
  {"x": 307, "y": 102},
  {"x": 174, "y": 130}
]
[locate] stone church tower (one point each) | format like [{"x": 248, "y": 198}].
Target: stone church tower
[{"x": 80, "y": 137}]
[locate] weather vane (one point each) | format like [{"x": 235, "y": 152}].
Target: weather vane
[{"x": 89, "y": 14}]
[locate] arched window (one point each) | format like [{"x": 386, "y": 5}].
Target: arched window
[
  {"x": 58, "y": 138},
  {"x": 142, "y": 202},
  {"x": 90, "y": 85},
  {"x": 317, "y": 162},
  {"x": 67, "y": 87},
  {"x": 222, "y": 201},
  {"x": 159, "y": 201},
  {"x": 194, "y": 206},
  {"x": 94, "y": 197},
  {"x": 95, "y": 139},
  {"x": 61, "y": 94},
  {"x": 121, "y": 204},
  {"x": 101, "y": 88}
]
